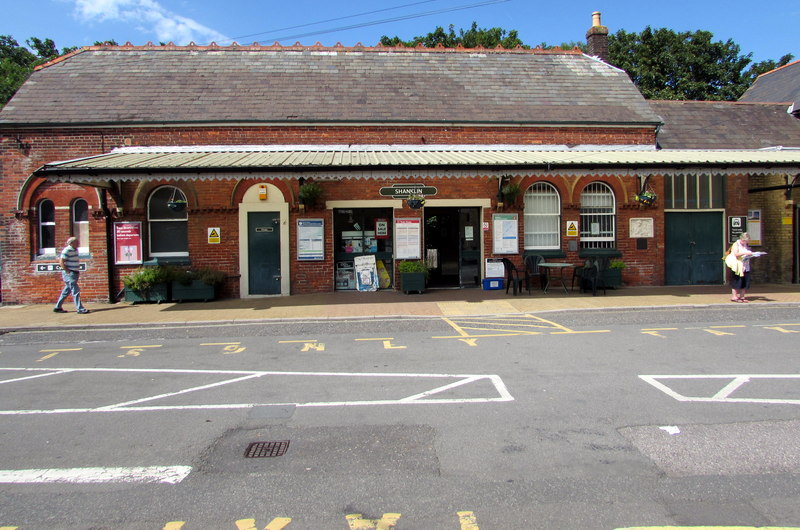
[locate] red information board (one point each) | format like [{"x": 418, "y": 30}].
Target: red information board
[{"x": 128, "y": 243}]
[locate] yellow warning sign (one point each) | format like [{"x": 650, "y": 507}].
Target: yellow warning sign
[
  {"x": 572, "y": 228},
  {"x": 213, "y": 236}
]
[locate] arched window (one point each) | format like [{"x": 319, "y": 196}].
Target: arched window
[
  {"x": 167, "y": 221},
  {"x": 598, "y": 216},
  {"x": 47, "y": 227},
  {"x": 80, "y": 224},
  {"x": 542, "y": 217}
]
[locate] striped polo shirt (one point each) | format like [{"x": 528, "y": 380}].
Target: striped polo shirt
[{"x": 70, "y": 257}]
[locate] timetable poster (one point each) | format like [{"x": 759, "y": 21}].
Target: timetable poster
[
  {"x": 506, "y": 233},
  {"x": 408, "y": 238}
]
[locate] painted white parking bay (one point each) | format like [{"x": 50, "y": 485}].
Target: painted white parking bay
[
  {"x": 96, "y": 475},
  {"x": 206, "y": 389},
  {"x": 778, "y": 389}
]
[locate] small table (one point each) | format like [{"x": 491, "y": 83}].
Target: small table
[{"x": 548, "y": 268}]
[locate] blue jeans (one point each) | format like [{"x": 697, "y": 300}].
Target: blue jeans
[{"x": 70, "y": 287}]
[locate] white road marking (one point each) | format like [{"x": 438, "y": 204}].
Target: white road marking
[
  {"x": 502, "y": 393},
  {"x": 671, "y": 429},
  {"x": 722, "y": 395},
  {"x": 96, "y": 475}
]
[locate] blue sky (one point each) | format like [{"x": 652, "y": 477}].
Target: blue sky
[{"x": 768, "y": 29}]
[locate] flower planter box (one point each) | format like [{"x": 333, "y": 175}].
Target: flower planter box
[
  {"x": 196, "y": 290},
  {"x": 159, "y": 293},
  {"x": 612, "y": 277},
  {"x": 412, "y": 281}
]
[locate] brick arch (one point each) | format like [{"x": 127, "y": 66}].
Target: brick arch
[
  {"x": 146, "y": 188},
  {"x": 242, "y": 186}
]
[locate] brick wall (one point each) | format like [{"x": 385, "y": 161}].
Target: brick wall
[{"x": 214, "y": 203}]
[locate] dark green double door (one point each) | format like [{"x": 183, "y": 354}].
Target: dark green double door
[
  {"x": 264, "y": 252},
  {"x": 693, "y": 248},
  {"x": 453, "y": 236}
]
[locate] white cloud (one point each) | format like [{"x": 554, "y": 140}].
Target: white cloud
[{"x": 149, "y": 17}]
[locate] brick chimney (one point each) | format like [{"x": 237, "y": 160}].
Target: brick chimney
[{"x": 597, "y": 38}]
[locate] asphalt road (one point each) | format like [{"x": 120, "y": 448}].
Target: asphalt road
[{"x": 575, "y": 419}]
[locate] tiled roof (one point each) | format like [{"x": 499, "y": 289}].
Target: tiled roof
[
  {"x": 274, "y": 84},
  {"x": 725, "y": 125},
  {"x": 779, "y": 85}
]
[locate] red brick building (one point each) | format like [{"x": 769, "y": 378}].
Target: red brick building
[{"x": 105, "y": 139}]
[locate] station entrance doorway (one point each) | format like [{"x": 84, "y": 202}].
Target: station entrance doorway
[{"x": 453, "y": 246}]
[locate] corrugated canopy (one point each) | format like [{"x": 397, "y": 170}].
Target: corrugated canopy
[{"x": 215, "y": 162}]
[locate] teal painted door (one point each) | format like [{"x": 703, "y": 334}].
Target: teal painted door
[
  {"x": 264, "y": 252},
  {"x": 693, "y": 248}
]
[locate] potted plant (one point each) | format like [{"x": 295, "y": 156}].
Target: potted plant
[
  {"x": 413, "y": 276},
  {"x": 177, "y": 205},
  {"x": 310, "y": 193},
  {"x": 148, "y": 284},
  {"x": 612, "y": 276},
  {"x": 415, "y": 201},
  {"x": 196, "y": 284},
  {"x": 647, "y": 198},
  {"x": 510, "y": 192}
]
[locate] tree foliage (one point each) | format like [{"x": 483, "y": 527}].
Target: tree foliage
[
  {"x": 17, "y": 62},
  {"x": 666, "y": 64},
  {"x": 472, "y": 38}
]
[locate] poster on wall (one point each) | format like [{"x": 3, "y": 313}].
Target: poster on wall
[
  {"x": 737, "y": 225},
  {"x": 366, "y": 273},
  {"x": 310, "y": 239},
  {"x": 407, "y": 238},
  {"x": 506, "y": 233},
  {"x": 754, "y": 227},
  {"x": 128, "y": 243}
]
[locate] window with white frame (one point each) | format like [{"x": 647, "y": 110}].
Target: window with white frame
[
  {"x": 598, "y": 218},
  {"x": 47, "y": 227},
  {"x": 167, "y": 222},
  {"x": 694, "y": 192},
  {"x": 542, "y": 217},
  {"x": 80, "y": 224}
]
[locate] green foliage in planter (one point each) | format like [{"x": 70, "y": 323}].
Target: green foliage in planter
[
  {"x": 144, "y": 279},
  {"x": 616, "y": 264},
  {"x": 413, "y": 266},
  {"x": 207, "y": 275},
  {"x": 510, "y": 192},
  {"x": 310, "y": 193}
]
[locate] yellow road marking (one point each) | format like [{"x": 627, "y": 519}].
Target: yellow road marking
[
  {"x": 654, "y": 334},
  {"x": 355, "y": 521},
  {"x": 58, "y": 351},
  {"x": 275, "y": 524},
  {"x": 468, "y": 521},
  {"x": 718, "y": 333},
  {"x": 174, "y": 525},
  {"x": 782, "y": 330}
]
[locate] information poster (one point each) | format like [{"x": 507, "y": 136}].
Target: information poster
[
  {"x": 737, "y": 225},
  {"x": 310, "y": 239},
  {"x": 408, "y": 238},
  {"x": 506, "y": 233},
  {"x": 366, "y": 273},
  {"x": 754, "y": 227},
  {"x": 128, "y": 243}
]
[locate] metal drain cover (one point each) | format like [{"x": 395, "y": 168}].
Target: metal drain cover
[{"x": 266, "y": 449}]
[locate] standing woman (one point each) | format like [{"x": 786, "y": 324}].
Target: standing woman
[{"x": 739, "y": 262}]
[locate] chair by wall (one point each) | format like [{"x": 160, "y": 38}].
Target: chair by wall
[
  {"x": 532, "y": 271},
  {"x": 513, "y": 277}
]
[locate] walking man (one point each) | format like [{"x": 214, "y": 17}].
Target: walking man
[{"x": 70, "y": 265}]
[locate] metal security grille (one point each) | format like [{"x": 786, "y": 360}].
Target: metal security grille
[
  {"x": 597, "y": 216},
  {"x": 266, "y": 449},
  {"x": 542, "y": 217}
]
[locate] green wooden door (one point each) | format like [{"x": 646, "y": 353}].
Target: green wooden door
[
  {"x": 264, "y": 252},
  {"x": 693, "y": 248}
]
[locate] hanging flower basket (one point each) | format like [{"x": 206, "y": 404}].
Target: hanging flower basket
[
  {"x": 647, "y": 198},
  {"x": 415, "y": 202},
  {"x": 177, "y": 205}
]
